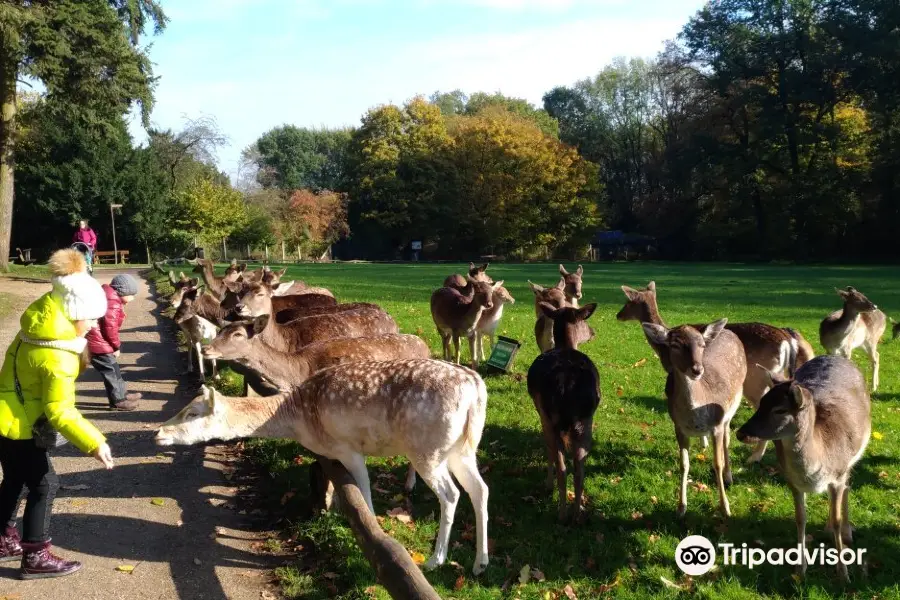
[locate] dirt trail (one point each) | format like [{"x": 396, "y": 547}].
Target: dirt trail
[{"x": 107, "y": 518}]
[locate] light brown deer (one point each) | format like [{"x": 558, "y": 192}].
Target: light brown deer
[
  {"x": 428, "y": 410},
  {"x": 775, "y": 348},
  {"x": 456, "y": 313},
  {"x": 237, "y": 291},
  {"x": 858, "y": 324},
  {"x": 214, "y": 283},
  {"x": 475, "y": 272},
  {"x": 543, "y": 326},
  {"x": 489, "y": 321},
  {"x": 572, "y": 284},
  {"x": 821, "y": 422},
  {"x": 706, "y": 371},
  {"x": 291, "y": 288}
]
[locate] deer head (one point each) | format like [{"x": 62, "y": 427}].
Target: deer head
[
  {"x": 638, "y": 303},
  {"x": 685, "y": 345},
  {"x": 182, "y": 289},
  {"x": 484, "y": 292},
  {"x": 254, "y": 300},
  {"x": 202, "y": 420},
  {"x": 572, "y": 282},
  {"x": 478, "y": 273},
  {"x": 779, "y": 411},
  {"x": 565, "y": 322},
  {"x": 855, "y": 300},
  {"x": 233, "y": 341}
]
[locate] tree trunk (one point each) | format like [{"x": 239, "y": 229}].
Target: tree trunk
[{"x": 7, "y": 131}]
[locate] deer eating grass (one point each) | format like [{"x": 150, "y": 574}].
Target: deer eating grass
[
  {"x": 430, "y": 411},
  {"x": 565, "y": 387},
  {"x": 858, "y": 324},
  {"x": 706, "y": 369},
  {"x": 543, "y": 327},
  {"x": 821, "y": 422},
  {"x": 775, "y": 348},
  {"x": 456, "y": 313}
]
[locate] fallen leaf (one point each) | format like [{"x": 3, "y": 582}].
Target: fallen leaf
[
  {"x": 460, "y": 582},
  {"x": 537, "y": 575},
  {"x": 198, "y": 562},
  {"x": 701, "y": 487},
  {"x": 635, "y": 515},
  {"x": 287, "y": 496},
  {"x": 620, "y": 391},
  {"x": 701, "y": 457},
  {"x": 639, "y": 363},
  {"x": 157, "y": 502},
  {"x": 524, "y": 574},
  {"x": 398, "y": 498},
  {"x": 371, "y": 591},
  {"x": 654, "y": 538},
  {"x": 330, "y": 575},
  {"x": 654, "y": 500},
  {"x": 267, "y": 595},
  {"x": 75, "y": 488},
  {"x": 796, "y": 577},
  {"x": 882, "y": 474},
  {"x": 569, "y": 592},
  {"x": 418, "y": 558},
  {"x": 125, "y": 568},
  {"x": 670, "y": 584},
  {"x": 877, "y": 435},
  {"x": 400, "y": 514},
  {"x": 608, "y": 586}
]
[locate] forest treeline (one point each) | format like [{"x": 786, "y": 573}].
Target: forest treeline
[{"x": 769, "y": 129}]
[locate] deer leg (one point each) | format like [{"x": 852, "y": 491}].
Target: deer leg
[
  {"x": 684, "y": 446},
  {"x": 473, "y": 348},
  {"x": 719, "y": 464},
  {"x": 835, "y": 502},
  {"x": 729, "y": 479},
  {"x": 215, "y": 370},
  {"x": 465, "y": 468},
  {"x": 582, "y": 448},
  {"x": 200, "y": 361},
  {"x": 800, "y": 518},
  {"x": 190, "y": 356},
  {"x": 441, "y": 483},
  {"x": 876, "y": 360},
  {"x": 847, "y": 527},
  {"x": 356, "y": 464},
  {"x": 705, "y": 441},
  {"x": 410, "y": 479},
  {"x": 456, "y": 347},
  {"x": 561, "y": 481},
  {"x": 550, "y": 443},
  {"x": 445, "y": 343}
]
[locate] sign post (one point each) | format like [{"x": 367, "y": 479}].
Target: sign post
[
  {"x": 112, "y": 216},
  {"x": 503, "y": 353}
]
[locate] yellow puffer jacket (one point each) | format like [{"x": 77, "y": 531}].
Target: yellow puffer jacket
[{"x": 48, "y": 362}]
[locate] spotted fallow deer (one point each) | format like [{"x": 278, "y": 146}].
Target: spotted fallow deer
[
  {"x": 431, "y": 411},
  {"x": 706, "y": 370},
  {"x": 775, "y": 348},
  {"x": 820, "y": 422},
  {"x": 859, "y": 323}
]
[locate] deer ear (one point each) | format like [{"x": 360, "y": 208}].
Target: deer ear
[
  {"x": 651, "y": 286},
  {"x": 561, "y": 284},
  {"x": 842, "y": 293},
  {"x": 579, "y": 271},
  {"x": 537, "y": 289},
  {"x": 774, "y": 378},
  {"x": 234, "y": 286},
  {"x": 712, "y": 331},
  {"x": 484, "y": 267},
  {"x": 584, "y": 313},
  {"x": 656, "y": 333},
  {"x": 281, "y": 272},
  {"x": 548, "y": 310},
  {"x": 471, "y": 266},
  {"x": 497, "y": 285},
  {"x": 630, "y": 293},
  {"x": 802, "y": 397},
  {"x": 172, "y": 279},
  {"x": 562, "y": 271}
]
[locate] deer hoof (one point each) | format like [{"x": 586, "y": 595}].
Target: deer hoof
[
  {"x": 433, "y": 563},
  {"x": 681, "y": 510},
  {"x": 479, "y": 568},
  {"x": 581, "y": 516}
]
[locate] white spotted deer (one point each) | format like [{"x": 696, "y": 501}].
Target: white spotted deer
[
  {"x": 820, "y": 422},
  {"x": 430, "y": 411},
  {"x": 706, "y": 369},
  {"x": 858, "y": 324}
]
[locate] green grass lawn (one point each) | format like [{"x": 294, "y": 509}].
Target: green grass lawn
[{"x": 633, "y": 470}]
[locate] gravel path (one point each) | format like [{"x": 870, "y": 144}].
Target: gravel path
[{"x": 164, "y": 513}]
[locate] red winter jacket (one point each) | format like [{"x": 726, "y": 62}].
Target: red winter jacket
[{"x": 104, "y": 339}]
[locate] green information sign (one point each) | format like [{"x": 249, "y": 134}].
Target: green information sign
[{"x": 503, "y": 353}]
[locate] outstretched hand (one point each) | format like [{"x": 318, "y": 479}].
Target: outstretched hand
[{"x": 104, "y": 455}]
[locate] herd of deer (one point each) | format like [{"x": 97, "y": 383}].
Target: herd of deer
[{"x": 348, "y": 385}]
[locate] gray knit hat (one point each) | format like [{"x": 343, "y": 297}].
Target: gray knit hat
[{"x": 125, "y": 285}]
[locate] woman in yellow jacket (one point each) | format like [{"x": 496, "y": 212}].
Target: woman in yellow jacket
[{"x": 38, "y": 380}]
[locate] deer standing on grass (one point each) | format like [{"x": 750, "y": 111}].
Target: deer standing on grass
[
  {"x": 198, "y": 331},
  {"x": 821, "y": 423},
  {"x": 477, "y": 273},
  {"x": 572, "y": 284},
  {"x": 775, "y": 348},
  {"x": 489, "y": 321},
  {"x": 565, "y": 387},
  {"x": 859, "y": 323},
  {"x": 431, "y": 411},
  {"x": 543, "y": 326},
  {"x": 456, "y": 313},
  {"x": 706, "y": 369}
]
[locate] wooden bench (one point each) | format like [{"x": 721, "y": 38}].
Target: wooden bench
[{"x": 111, "y": 255}]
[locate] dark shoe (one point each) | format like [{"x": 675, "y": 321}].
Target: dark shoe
[
  {"x": 125, "y": 405},
  {"x": 10, "y": 545},
  {"x": 39, "y": 563}
]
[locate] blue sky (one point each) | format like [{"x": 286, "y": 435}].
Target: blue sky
[{"x": 257, "y": 64}]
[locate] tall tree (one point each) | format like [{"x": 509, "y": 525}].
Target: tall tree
[
  {"x": 290, "y": 158},
  {"x": 86, "y": 54}
]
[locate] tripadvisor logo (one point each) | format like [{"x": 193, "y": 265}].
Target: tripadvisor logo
[{"x": 696, "y": 555}]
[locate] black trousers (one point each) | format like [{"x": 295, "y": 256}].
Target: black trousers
[
  {"x": 108, "y": 367},
  {"x": 26, "y": 465}
]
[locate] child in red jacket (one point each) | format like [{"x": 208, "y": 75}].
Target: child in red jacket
[{"x": 103, "y": 342}]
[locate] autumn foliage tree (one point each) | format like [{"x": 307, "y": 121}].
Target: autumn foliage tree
[{"x": 313, "y": 221}]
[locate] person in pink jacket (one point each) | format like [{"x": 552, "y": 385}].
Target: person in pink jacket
[{"x": 86, "y": 236}]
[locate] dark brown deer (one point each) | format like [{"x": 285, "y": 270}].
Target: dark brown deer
[
  {"x": 543, "y": 327},
  {"x": 456, "y": 313},
  {"x": 821, "y": 422},
  {"x": 706, "y": 370},
  {"x": 859, "y": 323},
  {"x": 565, "y": 387},
  {"x": 203, "y": 304},
  {"x": 775, "y": 348}
]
